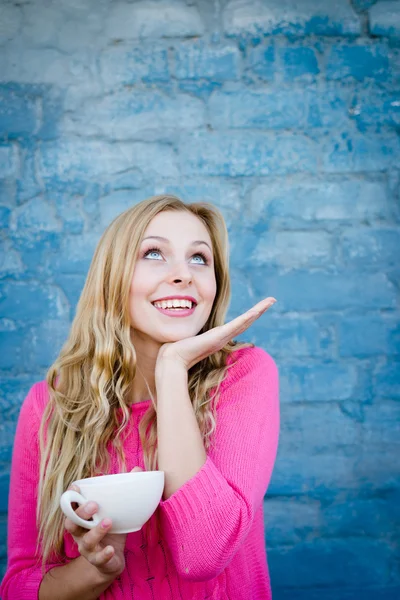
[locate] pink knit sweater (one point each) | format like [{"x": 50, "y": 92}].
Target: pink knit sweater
[{"x": 212, "y": 544}]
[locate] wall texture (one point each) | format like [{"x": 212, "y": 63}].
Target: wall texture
[{"x": 286, "y": 115}]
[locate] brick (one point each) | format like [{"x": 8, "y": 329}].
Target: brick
[
  {"x": 289, "y": 520},
  {"x": 328, "y": 108},
  {"x": 70, "y": 212},
  {"x": 377, "y": 466},
  {"x": 153, "y": 19},
  {"x": 84, "y": 159},
  {"x": 362, "y": 4},
  {"x": 321, "y": 201},
  {"x": 5, "y": 213},
  {"x": 45, "y": 344},
  {"x": 18, "y": 113},
  {"x": 224, "y": 194},
  {"x": 356, "y": 153},
  {"x": 288, "y": 337},
  {"x": 40, "y": 66},
  {"x": 384, "y": 19},
  {"x": 29, "y": 302},
  {"x": 368, "y": 248},
  {"x": 200, "y": 88},
  {"x": 387, "y": 380},
  {"x": 8, "y": 160},
  {"x": 126, "y": 65},
  {"x": 7, "y": 193},
  {"x": 299, "y": 63},
  {"x": 11, "y": 348},
  {"x": 358, "y": 62},
  {"x": 303, "y": 290},
  {"x": 243, "y": 154},
  {"x": 27, "y": 185},
  {"x": 242, "y": 297},
  {"x": 284, "y": 17},
  {"x": 293, "y": 249},
  {"x": 315, "y": 563},
  {"x": 37, "y": 249},
  {"x": 261, "y": 61},
  {"x": 373, "y": 108},
  {"x": 76, "y": 253},
  {"x": 12, "y": 393},
  {"x": 319, "y": 382},
  {"x": 320, "y": 475},
  {"x": 200, "y": 61},
  {"x": 10, "y": 260},
  {"x": 10, "y": 21},
  {"x": 382, "y": 426},
  {"x": 386, "y": 592},
  {"x": 383, "y": 336},
  {"x": 35, "y": 215},
  {"x": 72, "y": 286},
  {"x": 117, "y": 201},
  {"x": 318, "y": 428},
  {"x": 34, "y": 33},
  {"x": 4, "y": 488},
  {"x": 372, "y": 517},
  {"x": 3, "y": 536},
  {"x": 258, "y": 110},
  {"x": 126, "y": 116}
]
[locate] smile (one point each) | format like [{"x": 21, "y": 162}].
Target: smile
[{"x": 175, "y": 307}]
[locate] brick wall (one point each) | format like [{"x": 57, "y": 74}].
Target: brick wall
[{"x": 286, "y": 115}]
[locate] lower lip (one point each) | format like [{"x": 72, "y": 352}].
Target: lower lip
[{"x": 173, "y": 312}]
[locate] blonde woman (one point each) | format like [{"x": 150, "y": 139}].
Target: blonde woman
[{"x": 150, "y": 378}]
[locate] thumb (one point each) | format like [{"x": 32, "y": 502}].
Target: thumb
[{"x": 136, "y": 469}]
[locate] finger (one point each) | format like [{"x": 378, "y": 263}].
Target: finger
[
  {"x": 136, "y": 469},
  {"x": 261, "y": 306},
  {"x": 93, "y": 537},
  {"x": 103, "y": 557},
  {"x": 243, "y": 322},
  {"x": 75, "y": 488},
  {"x": 85, "y": 511}
]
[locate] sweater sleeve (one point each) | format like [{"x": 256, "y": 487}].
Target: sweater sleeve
[
  {"x": 209, "y": 517},
  {"x": 24, "y": 571}
]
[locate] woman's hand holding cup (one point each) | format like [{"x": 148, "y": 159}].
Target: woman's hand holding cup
[{"x": 102, "y": 549}]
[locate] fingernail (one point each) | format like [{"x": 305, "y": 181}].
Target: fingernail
[
  {"x": 90, "y": 507},
  {"x": 106, "y": 523}
]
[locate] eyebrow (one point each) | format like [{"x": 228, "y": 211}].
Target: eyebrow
[{"x": 163, "y": 239}]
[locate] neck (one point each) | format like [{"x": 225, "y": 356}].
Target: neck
[{"x": 146, "y": 358}]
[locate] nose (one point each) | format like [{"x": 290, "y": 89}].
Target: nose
[{"x": 181, "y": 274}]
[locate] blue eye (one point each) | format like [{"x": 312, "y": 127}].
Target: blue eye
[
  {"x": 152, "y": 251},
  {"x": 203, "y": 258}
]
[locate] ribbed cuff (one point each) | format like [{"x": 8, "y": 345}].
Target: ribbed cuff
[{"x": 203, "y": 493}]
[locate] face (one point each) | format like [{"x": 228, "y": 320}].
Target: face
[{"x": 175, "y": 261}]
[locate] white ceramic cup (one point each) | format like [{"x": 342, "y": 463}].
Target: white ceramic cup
[{"x": 128, "y": 499}]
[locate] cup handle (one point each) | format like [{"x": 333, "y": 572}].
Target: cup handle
[{"x": 65, "y": 503}]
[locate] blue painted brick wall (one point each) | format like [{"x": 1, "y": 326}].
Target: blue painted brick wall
[{"x": 286, "y": 115}]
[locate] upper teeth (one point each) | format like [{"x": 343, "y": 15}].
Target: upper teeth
[{"x": 175, "y": 303}]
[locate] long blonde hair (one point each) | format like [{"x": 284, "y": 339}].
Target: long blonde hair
[{"x": 90, "y": 380}]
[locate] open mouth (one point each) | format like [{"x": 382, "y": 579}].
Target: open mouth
[{"x": 174, "y": 305}]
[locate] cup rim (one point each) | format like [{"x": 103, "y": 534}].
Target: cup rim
[{"x": 101, "y": 478}]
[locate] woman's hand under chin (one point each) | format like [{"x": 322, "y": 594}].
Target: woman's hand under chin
[{"x": 190, "y": 351}]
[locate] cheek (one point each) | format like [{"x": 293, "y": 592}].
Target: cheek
[{"x": 141, "y": 282}]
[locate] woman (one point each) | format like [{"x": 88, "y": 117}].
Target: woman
[{"x": 149, "y": 378}]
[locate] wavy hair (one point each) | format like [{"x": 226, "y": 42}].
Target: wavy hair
[{"x": 89, "y": 382}]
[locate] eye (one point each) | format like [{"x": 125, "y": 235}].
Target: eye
[
  {"x": 202, "y": 257},
  {"x": 148, "y": 253}
]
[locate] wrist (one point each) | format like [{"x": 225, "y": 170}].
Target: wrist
[
  {"x": 99, "y": 577},
  {"x": 169, "y": 367}
]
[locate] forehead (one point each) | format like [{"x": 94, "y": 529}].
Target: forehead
[{"x": 178, "y": 226}]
